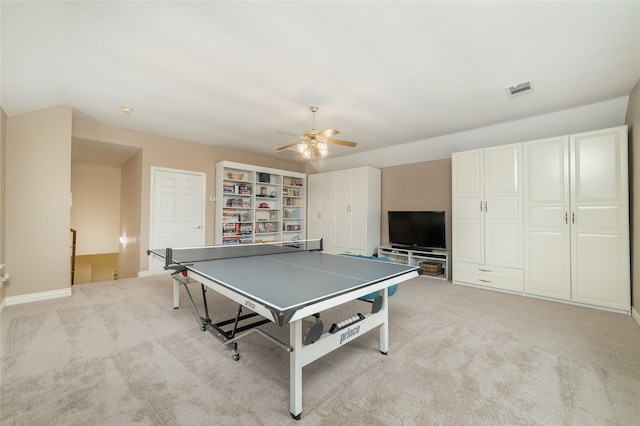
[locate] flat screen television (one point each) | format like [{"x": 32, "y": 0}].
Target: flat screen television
[{"x": 417, "y": 230}]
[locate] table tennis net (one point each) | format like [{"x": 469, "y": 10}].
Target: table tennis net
[{"x": 181, "y": 256}]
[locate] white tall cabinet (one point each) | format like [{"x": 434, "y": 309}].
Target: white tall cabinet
[
  {"x": 344, "y": 210},
  {"x": 488, "y": 217},
  {"x": 320, "y": 204},
  {"x": 577, "y": 218},
  {"x": 546, "y": 218}
]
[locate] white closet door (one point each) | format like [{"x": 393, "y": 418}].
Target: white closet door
[
  {"x": 503, "y": 206},
  {"x": 314, "y": 207},
  {"x": 468, "y": 199},
  {"x": 547, "y": 235},
  {"x": 342, "y": 201},
  {"x": 326, "y": 215},
  {"x": 358, "y": 209},
  {"x": 320, "y": 207},
  {"x": 600, "y": 218}
]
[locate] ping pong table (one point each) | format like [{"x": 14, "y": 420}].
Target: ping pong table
[{"x": 285, "y": 283}]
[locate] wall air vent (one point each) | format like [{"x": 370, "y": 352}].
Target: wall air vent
[{"x": 519, "y": 88}]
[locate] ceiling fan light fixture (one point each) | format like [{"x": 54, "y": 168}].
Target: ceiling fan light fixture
[
  {"x": 315, "y": 144},
  {"x": 322, "y": 149}
]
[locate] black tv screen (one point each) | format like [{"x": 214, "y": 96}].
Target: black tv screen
[{"x": 417, "y": 230}]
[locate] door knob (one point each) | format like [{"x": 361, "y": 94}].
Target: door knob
[{"x": 198, "y": 227}]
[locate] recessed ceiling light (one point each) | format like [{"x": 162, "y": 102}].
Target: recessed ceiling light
[{"x": 127, "y": 109}]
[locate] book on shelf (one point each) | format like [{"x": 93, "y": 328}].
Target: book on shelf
[
  {"x": 229, "y": 188},
  {"x": 293, "y": 202},
  {"x": 238, "y": 202},
  {"x": 292, "y": 214},
  {"x": 291, "y": 181}
]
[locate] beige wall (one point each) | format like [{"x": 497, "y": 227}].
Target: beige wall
[
  {"x": 3, "y": 131},
  {"x": 633, "y": 122},
  {"x": 418, "y": 186},
  {"x": 130, "y": 203},
  {"x": 96, "y": 268},
  {"x": 95, "y": 212},
  {"x": 37, "y": 214},
  {"x": 170, "y": 153}
]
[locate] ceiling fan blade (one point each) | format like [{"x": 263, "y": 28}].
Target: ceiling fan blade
[
  {"x": 291, "y": 145},
  {"x": 328, "y": 133},
  {"x": 316, "y": 151},
  {"x": 339, "y": 142},
  {"x": 285, "y": 133}
]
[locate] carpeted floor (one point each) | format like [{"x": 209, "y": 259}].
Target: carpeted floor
[{"x": 116, "y": 353}]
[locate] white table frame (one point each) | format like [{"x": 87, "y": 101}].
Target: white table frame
[{"x": 300, "y": 354}]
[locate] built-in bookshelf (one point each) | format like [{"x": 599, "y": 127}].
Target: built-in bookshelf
[{"x": 257, "y": 204}]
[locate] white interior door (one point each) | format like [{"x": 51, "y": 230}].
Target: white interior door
[{"x": 177, "y": 211}]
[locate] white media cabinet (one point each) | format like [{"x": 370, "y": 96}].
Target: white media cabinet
[{"x": 415, "y": 257}]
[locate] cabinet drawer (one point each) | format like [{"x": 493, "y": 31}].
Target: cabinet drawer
[
  {"x": 489, "y": 276},
  {"x": 489, "y": 281},
  {"x": 488, "y": 270}
]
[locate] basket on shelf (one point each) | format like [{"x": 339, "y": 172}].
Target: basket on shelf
[
  {"x": 235, "y": 176},
  {"x": 431, "y": 268}
]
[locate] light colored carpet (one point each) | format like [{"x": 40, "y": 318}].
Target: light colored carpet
[{"x": 116, "y": 353}]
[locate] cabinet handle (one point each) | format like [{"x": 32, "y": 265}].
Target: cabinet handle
[
  {"x": 480, "y": 206},
  {"x": 573, "y": 217},
  {"x": 566, "y": 217},
  {"x": 484, "y": 270},
  {"x": 198, "y": 227},
  {"x": 485, "y": 207},
  {"x": 484, "y": 281}
]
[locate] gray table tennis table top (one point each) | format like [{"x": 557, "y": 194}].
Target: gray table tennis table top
[{"x": 288, "y": 281}]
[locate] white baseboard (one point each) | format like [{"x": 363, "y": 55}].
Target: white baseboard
[
  {"x": 149, "y": 273},
  {"x": 36, "y": 297},
  {"x": 635, "y": 314}
]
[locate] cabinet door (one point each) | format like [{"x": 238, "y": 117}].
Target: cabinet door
[
  {"x": 320, "y": 205},
  {"x": 600, "y": 218},
  {"x": 468, "y": 205},
  {"x": 547, "y": 229},
  {"x": 314, "y": 207},
  {"x": 358, "y": 210},
  {"x": 326, "y": 215},
  {"x": 341, "y": 217},
  {"x": 503, "y": 215}
]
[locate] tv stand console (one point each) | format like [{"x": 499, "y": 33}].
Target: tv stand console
[{"x": 417, "y": 257}]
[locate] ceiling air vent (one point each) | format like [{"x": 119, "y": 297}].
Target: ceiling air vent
[{"x": 519, "y": 88}]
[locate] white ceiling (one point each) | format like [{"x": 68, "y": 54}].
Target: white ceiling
[{"x": 234, "y": 74}]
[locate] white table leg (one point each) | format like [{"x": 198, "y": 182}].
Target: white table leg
[
  {"x": 295, "y": 369},
  {"x": 384, "y": 328},
  {"x": 176, "y": 293}
]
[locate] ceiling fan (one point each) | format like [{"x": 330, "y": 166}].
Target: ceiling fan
[{"x": 313, "y": 142}]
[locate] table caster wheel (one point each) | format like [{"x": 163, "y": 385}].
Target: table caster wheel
[
  {"x": 296, "y": 417},
  {"x": 236, "y": 357}
]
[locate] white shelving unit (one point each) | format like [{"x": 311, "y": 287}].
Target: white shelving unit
[
  {"x": 257, "y": 204},
  {"x": 425, "y": 259}
]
